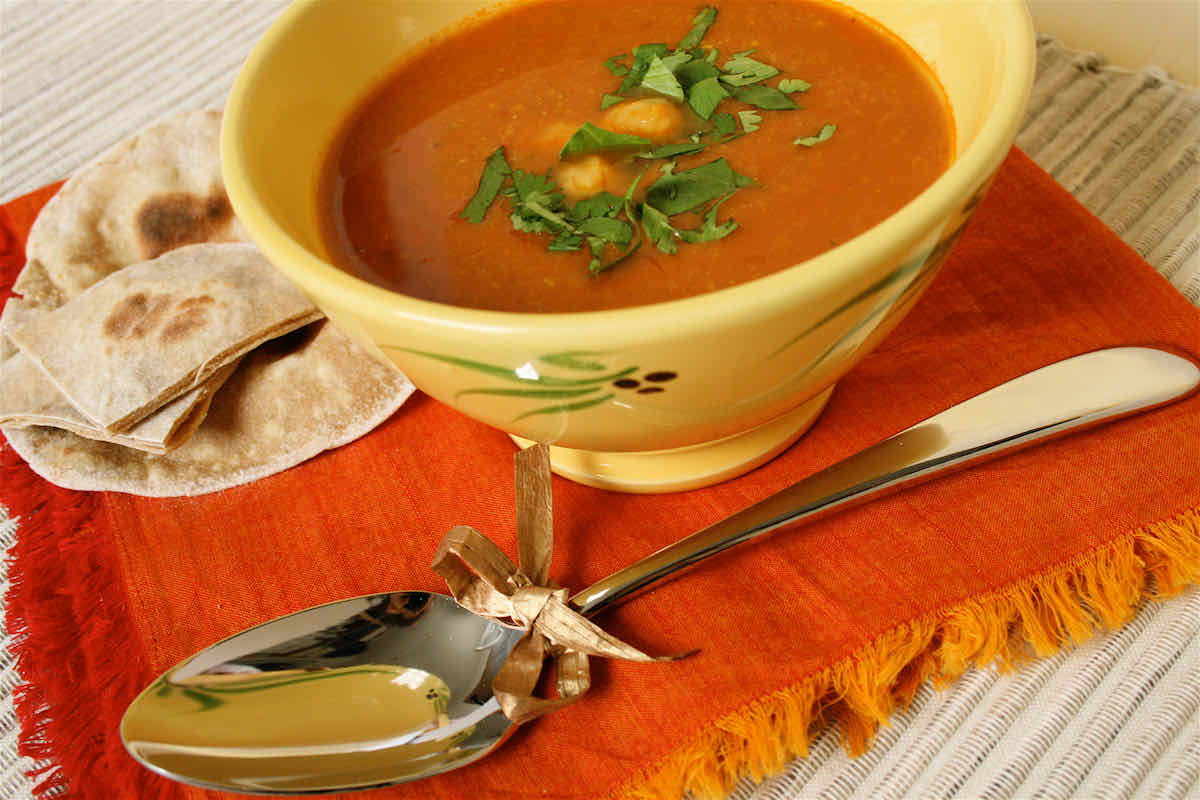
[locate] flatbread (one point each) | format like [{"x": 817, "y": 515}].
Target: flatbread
[
  {"x": 289, "y": 400},
  {"x": 146, "y": 334},
  {"x": 29, "y": 397},
  {"x": 144, "y": 196}
]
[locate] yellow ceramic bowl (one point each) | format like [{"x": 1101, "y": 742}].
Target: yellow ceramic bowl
[{"x": 750, "y": 367}]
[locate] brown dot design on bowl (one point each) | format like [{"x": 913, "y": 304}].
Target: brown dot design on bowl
[{"x": 661, "y": 376}]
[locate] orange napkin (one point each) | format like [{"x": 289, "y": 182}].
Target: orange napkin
[{"x": 834, "y": 622}]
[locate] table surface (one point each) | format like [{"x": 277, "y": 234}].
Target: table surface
[{"x": 1117, "y": 717}]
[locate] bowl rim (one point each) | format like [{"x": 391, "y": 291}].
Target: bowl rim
[{"x": 969, "y": 172}]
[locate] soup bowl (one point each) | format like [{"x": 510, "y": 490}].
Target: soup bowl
[{"x": 652, "y": 398}]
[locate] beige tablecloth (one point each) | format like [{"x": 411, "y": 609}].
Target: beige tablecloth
[{"x": 1118, "y": 717}]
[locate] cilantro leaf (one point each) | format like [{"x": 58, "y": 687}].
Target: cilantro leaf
[
  {"x": 790, "y": 85},
  {"x": 616, "y": 64},
  {"x": 592, "y": 138},
  {"x": 659, "y": 78},
  {"x": 764, "y": 97},
  {"x": 709, "y": 230},
  {"x": 676, "y": 60},
  {"x": 692, "y": 188},
  {"x": 536, "y": 205},
  {"x": 605, "y": 204},
  {"x": 741, "y": 70},
  {"x": 673, "y": 150},
  {"x": 597, "y": 263},
  {"x": 609, "y": 100},
  {"x": 705, "y": 96},
  {"x": 751, "y": 120},
  {"x": 826, "y": 133},
  {"x": 659, "y": 230},
  {"x": 643, "y": 54},
  {"x": 724, "y": 123},
  {"x": 700, "y": 25},
  {"x": 495, "y": 171},
  {"x": 614, "y": 231},
  {"x": 666, "y": 236},
  {"x": 565, "y": 242},
  {"x": 695, "y": 70},
  {"x": 532, "y": 186}
]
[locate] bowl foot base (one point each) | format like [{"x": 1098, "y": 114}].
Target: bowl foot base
[{"x": 679, "y": 469}]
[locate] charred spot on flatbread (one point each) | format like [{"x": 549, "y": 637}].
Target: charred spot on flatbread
[
  {"x": 142, "y": 313},
  {"x": 167, "y": 221},
  {"x": 134, "y": 316},
  {"x": 190, "y": 316}
]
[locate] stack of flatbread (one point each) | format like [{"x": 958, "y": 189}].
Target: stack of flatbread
[{"x": 151, "y": 349}]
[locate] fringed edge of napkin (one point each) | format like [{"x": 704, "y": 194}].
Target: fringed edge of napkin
[
  {"x": 1060, "y": 608},
  {"x": 74, "y": 605}
]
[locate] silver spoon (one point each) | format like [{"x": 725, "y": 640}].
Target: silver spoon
[{"x": 389, "y": 688}]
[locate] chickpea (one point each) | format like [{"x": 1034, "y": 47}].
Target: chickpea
[
  {"x": 583, "y": 177},
  {"x": 655, "y": 118}
]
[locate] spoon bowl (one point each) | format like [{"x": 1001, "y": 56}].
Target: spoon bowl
[{"x": 353, "y": 694}]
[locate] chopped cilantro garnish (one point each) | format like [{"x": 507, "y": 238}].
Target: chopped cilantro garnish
[
  {"x": 536, "y": 203},
  {"x": 790, "y": 85},
  {"x": 666, "y": 236},
  {"x": 612, "y": 228},
  {"x": 659, "y": 78},
  {"x": 724, "y": 123},
  {"x": 691, "y": 188},
  {"x": 710, "y": 230},
  {"x": 673, "y": 150},
  {"x": 700, "y": 25},
  {"x": 705, "y": 95},
  {"x": 643, "y": 54},
  {"x": 605, "y": 204},
  {"x": 764, "y": 97},
  {"x": 658, "y": 229},
  {"x": 614, "y": 231},
  {"x": 616, "y": 64},
  {"x": 565, "y": 242},
  {"x": 594, "y": 139},
  {"x": 751, "y": 120},
  {"x": 695, "y": 70},
  {"x": 495, "y": 170},
  {"x": 741, "y": 70},
  {"x": 826, "y": 132}
]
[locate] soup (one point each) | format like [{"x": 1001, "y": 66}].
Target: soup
[{"x": 571, "y": 155}]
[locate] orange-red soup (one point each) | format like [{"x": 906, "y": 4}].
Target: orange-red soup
[{"x": 409, "y": 158}]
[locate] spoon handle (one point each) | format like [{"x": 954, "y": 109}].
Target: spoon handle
[{"x": 1085, "y": 390}]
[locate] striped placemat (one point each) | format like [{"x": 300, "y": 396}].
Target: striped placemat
[{"x": 1118, "y": 717}]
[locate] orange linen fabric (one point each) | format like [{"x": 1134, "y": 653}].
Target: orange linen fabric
[{"x": 1035, "y": 278}]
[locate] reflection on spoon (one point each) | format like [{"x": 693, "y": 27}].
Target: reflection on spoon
[
  {"x": 390, "y": 688},
  {"x": 351, "y": 692}
]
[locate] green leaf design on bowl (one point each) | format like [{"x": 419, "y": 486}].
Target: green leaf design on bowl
[
  {"x": 903, "y": 275},
  {"x": 583, "y": 391}
]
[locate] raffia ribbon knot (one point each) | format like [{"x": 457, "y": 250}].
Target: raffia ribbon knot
[{"x": 485, "y": 581}]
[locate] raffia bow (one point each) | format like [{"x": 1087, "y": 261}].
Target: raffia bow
[{"x": 484, "y": 580}]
